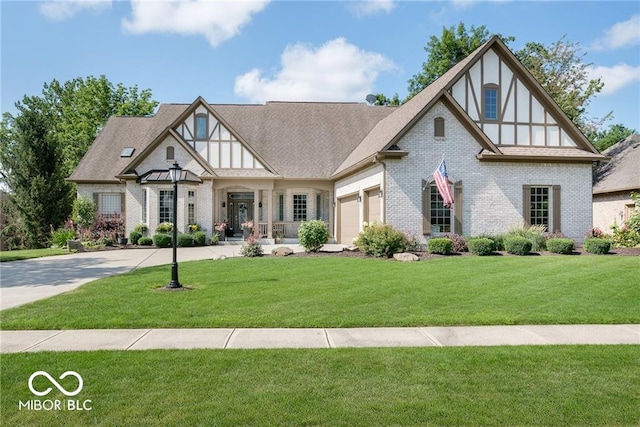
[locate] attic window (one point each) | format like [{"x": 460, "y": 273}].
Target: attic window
[{"x": 127, "y": 152}]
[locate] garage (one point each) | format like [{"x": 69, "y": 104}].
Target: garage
[
  {"x": 348, "y": 214},
  {"x": 372, "y": 205}
]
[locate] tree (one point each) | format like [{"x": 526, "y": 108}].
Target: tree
[
  {"x": 81, "y": 107},
  {"x": 32, "y": 168},
  {"x": 562, "y": 73},
  {"x": 381, "y": 99},
  {"x": 603, "y": 139},
  {"x": 454, "y": 44}
]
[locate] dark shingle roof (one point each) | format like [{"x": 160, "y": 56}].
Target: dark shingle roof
[{"x": 622, "y": 172}]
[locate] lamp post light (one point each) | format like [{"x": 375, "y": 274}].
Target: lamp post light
[{"x": 175, "y": 172}]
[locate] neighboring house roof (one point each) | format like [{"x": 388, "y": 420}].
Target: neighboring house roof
[{"x": 622, "y": 172}]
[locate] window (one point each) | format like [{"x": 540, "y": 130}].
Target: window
[
  {"x": 170, "y": 153},
  {"x": 299, "y": 207},
  {"x": 110, "y": 204},
  {"x": 191, "y": 207},
  {"x": 127, "y": 152},
  {"x": 201, "y": 131},
  {"x": 440, "y": 215},
  {"x": 166, "y": 206},
  {"x": 438, "y": 127},
  {"x": 490, "y": 102},
  {"x": 145, "y": 216},
  {"x": 541, "y": 206},
  {"x": 281, "y": 207}
]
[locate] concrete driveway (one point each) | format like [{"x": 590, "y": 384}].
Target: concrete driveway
[{"x": 30, "y": 280}]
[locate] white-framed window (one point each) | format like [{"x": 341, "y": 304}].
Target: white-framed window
[
  {"x": 440, "y": 215},
  {"x": 541, "y": 206},
  {"x": 191, "y": 207},
  {"x": 110, "y": 203},
  {"x": 165, "y": 205},
  {"x": 299, "y": 207}
]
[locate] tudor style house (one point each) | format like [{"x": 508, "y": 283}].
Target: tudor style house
[{"x": 512, "y": 155}]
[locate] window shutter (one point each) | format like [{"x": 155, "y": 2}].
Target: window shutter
[
  {"x": 557, "y": 211},
  {"x": 426, "y": 208},
  {"x": 123, "y": 198},
  {"x": 526, "y": 205},
  {"x": 96, "y": 200},
  {"x": 457, "y": 208}
]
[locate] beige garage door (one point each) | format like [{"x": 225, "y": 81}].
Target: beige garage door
[
  {"x": 348, "y": 214},
  {"x": 372, "y": 212}
]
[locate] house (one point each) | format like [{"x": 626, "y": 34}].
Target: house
[
  {"x": 512, "y": 156},
  {"x": 613, "y": 183}
]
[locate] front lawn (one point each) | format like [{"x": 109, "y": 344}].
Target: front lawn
[
  {"x": 351, "y": 292},
  {"x": 541, "y": 386},
  {"x": 6, "y": 256}
]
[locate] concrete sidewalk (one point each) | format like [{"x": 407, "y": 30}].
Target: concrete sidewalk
[{"x": 146, "y": 339}]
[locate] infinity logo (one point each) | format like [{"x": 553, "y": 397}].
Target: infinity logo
[{"x": 55, "y": 383}]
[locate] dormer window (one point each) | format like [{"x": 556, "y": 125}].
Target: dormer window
[
  {"x": 490, "y": 102},
  {"x": 438, "y": 127},
  {"x": 201, "y": 125}
]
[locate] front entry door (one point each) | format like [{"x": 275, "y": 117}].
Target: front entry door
[{"x": 240, "y": 211}]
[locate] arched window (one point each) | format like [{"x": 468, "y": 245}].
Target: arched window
[
  {"x": 170, "y": 153},
  {"x": 438, "y": 127},
  {"x": 490, "y": 102}
]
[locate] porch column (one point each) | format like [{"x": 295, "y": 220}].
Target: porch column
[
  {"x": 332, "y": 209},
  {"x": 256, "y": 208},
  {"x": 269, "y": 208}
]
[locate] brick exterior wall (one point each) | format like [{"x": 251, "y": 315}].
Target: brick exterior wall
[
  {"x": 492, "y": 192},
  {"x": 610, "y": 208}
]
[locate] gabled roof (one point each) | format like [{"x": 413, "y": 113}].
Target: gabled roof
[{"x": 622, "y": 172}]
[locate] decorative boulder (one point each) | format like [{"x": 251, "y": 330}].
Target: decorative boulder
[
  {"x": 405, "y": 257},
  {"x": 281, "y": 251},
  {"x": 75, "y": 245}
]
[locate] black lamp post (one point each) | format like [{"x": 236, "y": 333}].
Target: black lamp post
[{"x": 175, "y": 172}]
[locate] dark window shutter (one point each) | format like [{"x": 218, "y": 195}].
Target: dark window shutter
[
  {"x": 557, "y": 211},
  {"x": 123, "y": 198},
  {"x": 426, "y": 208},
  {"x": 457, "y": 208},
  {"x": 96, "y": 200},
  {"x": 526, "y": 205}
]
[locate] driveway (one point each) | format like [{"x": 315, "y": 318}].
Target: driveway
[{"x": 30, "y": 280}]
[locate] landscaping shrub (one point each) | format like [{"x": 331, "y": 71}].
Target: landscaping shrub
[
  {"x": 481, "y": 246},
  {"x": 141, "y": 228},
  {"x": 312, "y": 235},
  {"x": 200, "y": 238},
  {"x": 380, "y": 240},
  {"x": 192, "y": 228},
  {"x": 559, "y": 245},
  {"x": 60, "y": 236},
  {"x": 440, "y": 245},
  {"x": 145, "y": 241},
  {"x": 534, "y": 233},
  {"x": 458, "y": 241},
  {"x": 517, "y": 245},
  {"x": 107, "y": 241},
  {"x": 251, "y": 247},
  {"x": 596, "y": 245},
  {"x": 215, "y": 238},
  {"x": 134, "y": 237},
  {"x": 164, "y": 227},
  {"x": 162, "y": 240},
  {"x": 84, "y": 211},
  {"x": 185, "y": 240}
]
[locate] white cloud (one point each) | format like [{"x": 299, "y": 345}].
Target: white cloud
[
  {"x": 626, "y": 33},
  {"x": 372, "y": 7},
  {"x": 59, "y": 10},
  {"x": 336, "y": 71},
  {"x": 616, "y": 77},
  {"x": 216, "y": 20}
]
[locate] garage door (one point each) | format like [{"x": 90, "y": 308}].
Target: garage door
[
  {"x": 349, "y": 221},
  {"x": 372, "y": 212}
]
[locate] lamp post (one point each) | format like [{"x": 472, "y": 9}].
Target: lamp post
[{"x": 175, "y": 172}]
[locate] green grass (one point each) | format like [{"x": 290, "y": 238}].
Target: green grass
[
  {"x": 351, "y": 292},
  {"x": 541, "y": 386},
  {"x": 6, "y": 256}
]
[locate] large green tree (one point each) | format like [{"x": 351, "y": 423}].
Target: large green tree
[
  {"x": 32, "y": 168},
  {"x": 47, "y": 138},
  {"x": 605, "y": 138}
]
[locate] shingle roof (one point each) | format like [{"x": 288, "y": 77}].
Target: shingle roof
[{"x": 622, "y": 172}]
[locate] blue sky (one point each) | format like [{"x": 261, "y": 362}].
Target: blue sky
[{"x": 251, "y": 52}]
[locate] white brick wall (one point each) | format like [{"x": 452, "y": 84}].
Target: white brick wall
[
  {"x": 491, "y": 191},
  {"x": 609, "y": 209}
]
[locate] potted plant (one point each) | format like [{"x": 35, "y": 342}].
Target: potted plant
[
  {"x": 279, "y": 237},
  {"x": 220, "y": 228},
  {"x": 247, "y": 229}
]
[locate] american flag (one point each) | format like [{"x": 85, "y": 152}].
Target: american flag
[{"x": 442, "y": 182}]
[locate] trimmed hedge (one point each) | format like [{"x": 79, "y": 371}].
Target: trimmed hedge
[
  {"x": 598, "y": 246},
  {"x": 481, "y": 246},
  {"x": 134, "y": 237},
  {"x": 145, "y": 241},
  {"x": 200, "y": 238},
  {"x": 380, "y": 240},
  {"x": 185, "y": 240},
  {"x": 559, "y": 245},
  {"x": 162, "y": 240},
  {"x": 517, "y": 245},
  {"x": 312, "y": 235},
  {"x": 440, "y": 245}
]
